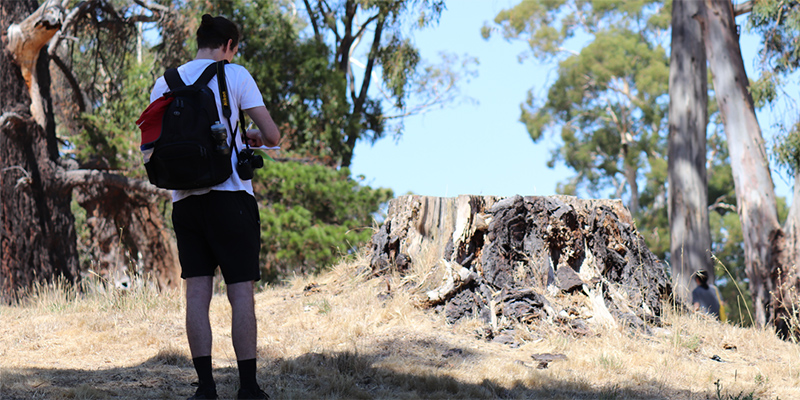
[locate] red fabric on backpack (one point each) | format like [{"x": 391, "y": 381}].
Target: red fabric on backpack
[{"x": 152, "y": 117}]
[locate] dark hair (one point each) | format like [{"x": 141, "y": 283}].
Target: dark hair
[
  {"x": 215, "y": 32},
  {"x": 702, "y": 278}
]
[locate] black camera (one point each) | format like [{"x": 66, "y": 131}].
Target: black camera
[{"x": 248, "y": 162}]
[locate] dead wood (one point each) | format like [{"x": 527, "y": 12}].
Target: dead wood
[{"x": 501, "y": 259}]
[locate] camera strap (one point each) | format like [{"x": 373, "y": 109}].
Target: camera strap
[{"x": 226, "y": 105}]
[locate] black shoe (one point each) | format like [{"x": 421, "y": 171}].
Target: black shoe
[
  {"x": 203, "y": 393},
  {"x": 252, "y": 394}
]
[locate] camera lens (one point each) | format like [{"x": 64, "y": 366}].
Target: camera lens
[{"x": 257, "y": 161}]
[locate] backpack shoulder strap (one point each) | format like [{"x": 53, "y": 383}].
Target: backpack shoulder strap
[
  {"x": 173, "y": 79},
  {"x": 206, "y": 76}
]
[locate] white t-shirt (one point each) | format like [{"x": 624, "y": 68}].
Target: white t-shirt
[{"x": 243, "y": 94}]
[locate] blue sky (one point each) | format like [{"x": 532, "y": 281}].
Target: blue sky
[
  {"x": 474, "y": 147},
  {"x": 481, "y": 147}
]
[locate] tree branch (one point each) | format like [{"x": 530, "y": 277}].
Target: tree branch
[
  {"x": 93, "y": 177},
  {"x": 154, "y": 7},
  {"x": 69, "y": 21},
  {"x": 76, "y": 87},
  {"x": 329, "y": 19},
  {"x": 306, "y": 161},
  {"x": 313, "y": 17},
  {"x": 358, "y": 103},
  {"x": 11, "y": 118},
  {"x": 52, "y": 49},
  {"x": 742, "y": 8},
  {"x": 365, "y": 24},
  {"x": 719, "y": 203}
]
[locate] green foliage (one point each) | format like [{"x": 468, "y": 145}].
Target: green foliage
[
  {"x": 765, "y": 89},
  {"x": 385, "y": 80},
  {"x": 302, "y": 89},
  {"x": 99, "y": 118},
  {"x": 787, "y": 149},
  {"x": 727, "y": 247},
  {"x": 110, "y": 137},
  {"x": 399, "y": 59},
  {"x": 778, "y": 23},
  {"x": 609, "y": 100},
  {"x": 312, "y": 216}
]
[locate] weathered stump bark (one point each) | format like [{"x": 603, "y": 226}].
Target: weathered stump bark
[
  {"x": 502, "y": 258},
  {"x": 127, "y": 238}
]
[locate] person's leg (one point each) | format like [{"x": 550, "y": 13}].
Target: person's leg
[
  {"x": 244, "y": 334},
  {"x": 198, "y": 330},
  {"x": 243, "y": 323},
  {"x": 236, "y": 244},
  {"x": 198, "y": 327}
]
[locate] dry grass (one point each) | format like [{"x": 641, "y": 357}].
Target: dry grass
[{"x": 339, "y": 336}]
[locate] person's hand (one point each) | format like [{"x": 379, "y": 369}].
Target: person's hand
[{"x": 254, "y": 138}]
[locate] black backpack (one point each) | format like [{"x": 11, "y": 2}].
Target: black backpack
[{"x": 188, "y": 153}]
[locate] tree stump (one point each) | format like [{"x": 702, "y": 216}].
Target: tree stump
[{"x": 501, "y": 258}]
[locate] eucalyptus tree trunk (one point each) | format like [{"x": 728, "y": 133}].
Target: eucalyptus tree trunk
[
  {"x": 787, "y": 278},
  {"x": 37, "y": 229},
  {"x": 690, "y": 240},
  {"x": 763, "y": 237}
]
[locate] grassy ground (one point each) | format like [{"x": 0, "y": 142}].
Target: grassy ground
[{"x": 338, "y": 337}]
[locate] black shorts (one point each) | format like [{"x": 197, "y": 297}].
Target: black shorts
[{"x": 218, "y": 228}]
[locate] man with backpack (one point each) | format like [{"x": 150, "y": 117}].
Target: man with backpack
[{"x": 215, "y": 225}]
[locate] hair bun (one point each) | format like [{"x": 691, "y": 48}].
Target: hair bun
[{"x": 207, "y": 20}]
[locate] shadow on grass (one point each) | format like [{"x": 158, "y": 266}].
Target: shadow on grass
[{"x": 391, "y": 370}]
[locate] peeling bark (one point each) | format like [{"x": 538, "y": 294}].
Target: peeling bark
[
  {"x": 128, "y": 237},
  {"x": 25, "y": 42},
  {"x": 755, "y": 193}
]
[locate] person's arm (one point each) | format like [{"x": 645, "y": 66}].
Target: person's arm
[{"x": 267, "y": 132}]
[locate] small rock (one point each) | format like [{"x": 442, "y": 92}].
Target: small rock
[
  {"x": 568, "y": 280},
  {"x": 548, "y": 357},
  {"x": 504, "y": 339},
  {"x": 452, "y": 352}
]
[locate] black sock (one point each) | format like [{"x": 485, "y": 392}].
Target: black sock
[
  {"x": 203, "y": 367},
  {"x": 247, "y": 374}
]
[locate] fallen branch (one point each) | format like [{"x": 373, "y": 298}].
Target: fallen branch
[
  {"x": 93, "y": 177},
  {"x": 455, "y": 277}
]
